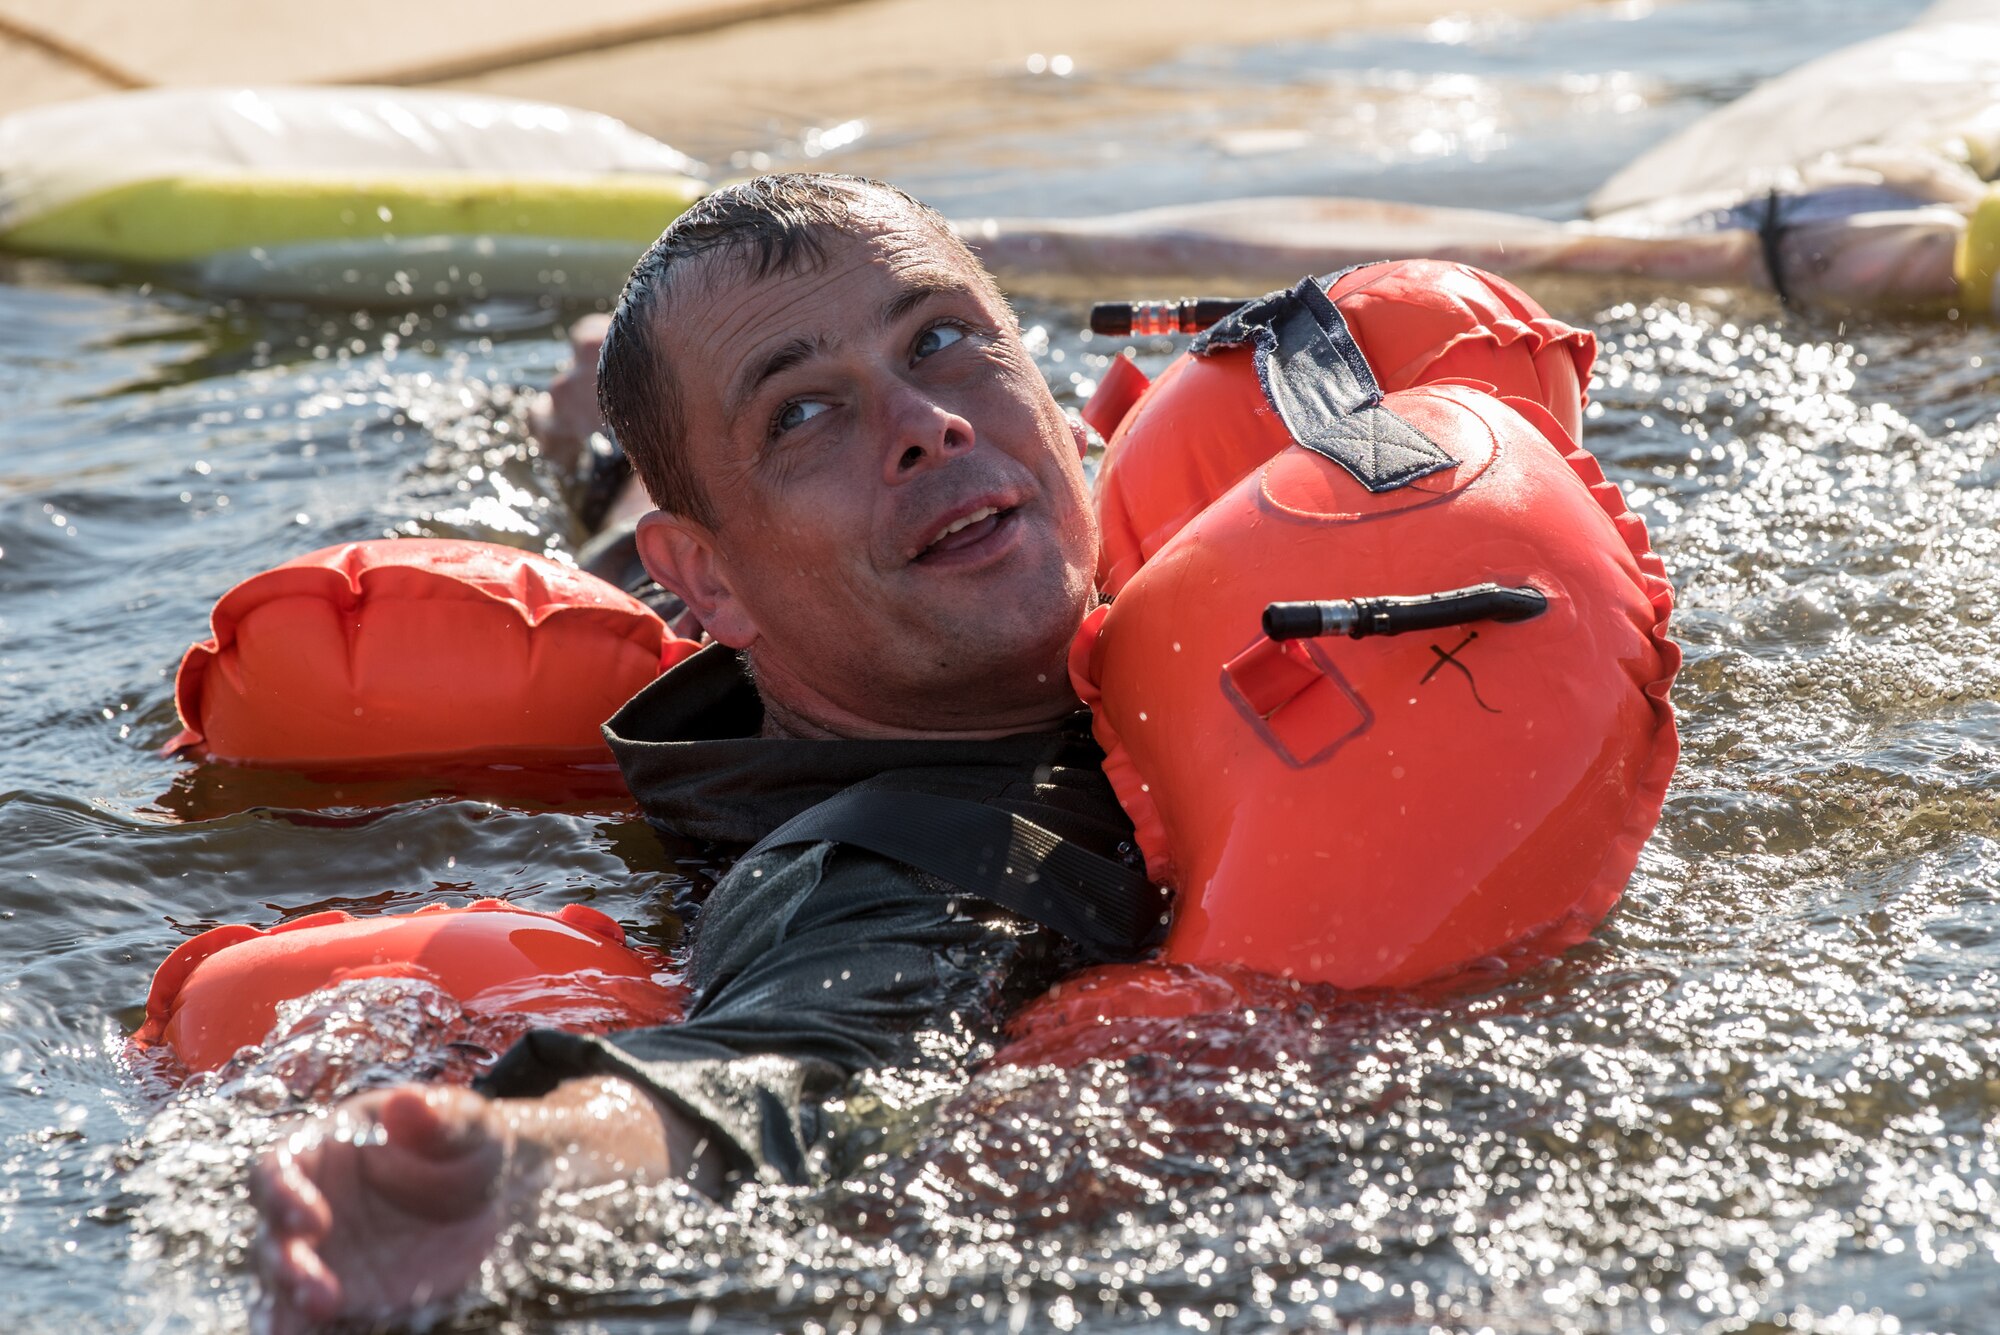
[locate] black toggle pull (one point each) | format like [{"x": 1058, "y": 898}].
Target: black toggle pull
[
  {"x": 1189, "y": 315},
  {"x": 1356, "y": 617}
]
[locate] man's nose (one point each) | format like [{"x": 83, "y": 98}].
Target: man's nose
[{"x": 922, "y": 432}]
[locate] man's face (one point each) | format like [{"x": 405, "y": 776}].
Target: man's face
[{"x": 902, "y": 519}]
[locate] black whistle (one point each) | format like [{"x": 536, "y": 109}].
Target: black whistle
[{"x": 1358, "y": 617}]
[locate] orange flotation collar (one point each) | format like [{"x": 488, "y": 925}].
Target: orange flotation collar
[
  {"x": 1173, "y": 451},
  {"x": 1380, "y": 811},
  {"x": 220, "y": 992},
  {"x": 396, "y": 649}
]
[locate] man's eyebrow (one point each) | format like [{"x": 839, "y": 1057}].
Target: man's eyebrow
[
  {"x": 783, "y": 358},
  {"x": 919, "y": 289}
]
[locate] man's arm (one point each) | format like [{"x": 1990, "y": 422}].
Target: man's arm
[{"x": 811, "y": 962}]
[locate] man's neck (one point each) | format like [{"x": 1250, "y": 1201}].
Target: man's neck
[{"x": 793, "y": 711}]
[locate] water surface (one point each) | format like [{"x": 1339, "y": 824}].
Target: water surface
[{"x": 1763, "y": 1097}]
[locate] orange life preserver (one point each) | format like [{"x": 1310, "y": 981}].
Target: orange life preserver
[
  {"x": 220, "y": 991},
  {"x": 1417, "y": 322},
  {"x": 1375, "y": 811},
  {"x": 402, "y": 648}
]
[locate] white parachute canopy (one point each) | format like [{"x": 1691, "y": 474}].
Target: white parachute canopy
[
  {"x": 340, "y": 191},
  {"x": 53, "y": 154}
]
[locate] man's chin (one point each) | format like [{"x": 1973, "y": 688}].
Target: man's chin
[{"x": 1013, "y": 629}]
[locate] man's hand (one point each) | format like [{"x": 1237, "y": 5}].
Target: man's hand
[
  {"x": 394, "y": 1199},
  {"x": 563, "y": 416}
]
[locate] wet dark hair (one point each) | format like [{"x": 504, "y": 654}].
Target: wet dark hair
[{"x": 773, "y": 223}]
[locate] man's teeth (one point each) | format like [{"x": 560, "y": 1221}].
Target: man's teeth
[{"x": 969, "y": 520}]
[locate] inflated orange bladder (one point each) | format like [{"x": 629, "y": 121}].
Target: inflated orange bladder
[
  {"x": 1414, "y": 321},
  {"x": 1457, "y": 747},
  {"x": 397, "y": 649},
  {"x": 219, "y": 992}
]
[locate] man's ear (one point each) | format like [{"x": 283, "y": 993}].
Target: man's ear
[{"x": 681, "y": 556}]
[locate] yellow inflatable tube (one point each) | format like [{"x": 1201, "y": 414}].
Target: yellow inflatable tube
[
  {"x": 1978, "y": 261},
  {"x": 193, "y": 216}
]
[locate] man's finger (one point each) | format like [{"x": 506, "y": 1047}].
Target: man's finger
[
  {"x": 440, "y": 1159},
  {"x": 312, "y": 1287},
  {"x": 306, "y": 1212},
  {"x": 299, "y": 1290},
  {"x": 586, "y": 336},
  {"x": 431, "y": 1121},
  {"x": 289, "y": 1200}
]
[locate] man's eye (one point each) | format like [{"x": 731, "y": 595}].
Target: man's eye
[
  {"x": 796, "y": 413},
  {"x": 937, "y": 338}
]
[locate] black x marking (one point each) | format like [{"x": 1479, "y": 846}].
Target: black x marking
[{"x": 1445, "y": 656}]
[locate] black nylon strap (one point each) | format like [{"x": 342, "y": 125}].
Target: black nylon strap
[
  {"x": 1316, "y": 378},
  {"x": 997, "y": 856},
  {"x": 1770, "y": 238}
]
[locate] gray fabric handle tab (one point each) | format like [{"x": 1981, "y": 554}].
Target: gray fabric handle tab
[
  {"x": 998, "y": 856},
  {"x": 1314, "y": 375}
]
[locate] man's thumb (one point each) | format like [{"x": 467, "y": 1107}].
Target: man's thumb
[{"x": 434, "y": 1121}]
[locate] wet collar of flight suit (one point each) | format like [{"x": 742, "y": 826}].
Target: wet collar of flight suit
[{"x": 691, "y": 751}]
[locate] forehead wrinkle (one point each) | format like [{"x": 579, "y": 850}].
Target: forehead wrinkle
[
  {"x": 916, "y": 254},
  {"x": 926, "y": 260},
  {"x": 736, "y": 319}
]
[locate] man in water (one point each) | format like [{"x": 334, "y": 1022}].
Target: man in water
[{"x": 865, "y": 486}]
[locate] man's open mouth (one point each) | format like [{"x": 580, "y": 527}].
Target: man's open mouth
[{"x": 967, "y": 531}]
